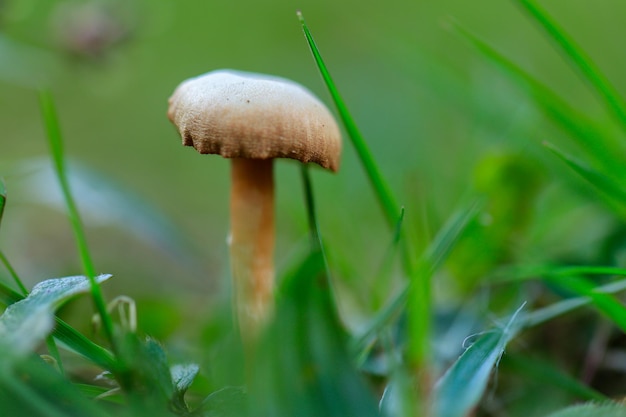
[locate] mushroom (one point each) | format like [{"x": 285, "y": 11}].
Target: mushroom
[{"x": 252, "y": 119}]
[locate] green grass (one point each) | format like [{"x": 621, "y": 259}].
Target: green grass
[{"x": 459, "y": 325}]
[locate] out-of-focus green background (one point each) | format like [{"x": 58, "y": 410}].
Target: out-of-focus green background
[{"x": 157, "y": 213}]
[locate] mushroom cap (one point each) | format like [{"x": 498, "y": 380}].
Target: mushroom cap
[{"x": 246, "y": 115}]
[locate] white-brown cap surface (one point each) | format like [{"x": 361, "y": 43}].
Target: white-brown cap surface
[{"x": 246, "y": 115}]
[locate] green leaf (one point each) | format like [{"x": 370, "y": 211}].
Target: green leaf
[
  {"x": 462, "y": 386},
  {"x": 592, "y": 410},
  {"x": 303, "y": 367},
  {"x": 579, "y": 60},
  {"x": 26, "y": 323}
]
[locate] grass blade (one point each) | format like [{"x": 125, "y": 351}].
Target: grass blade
[
  {"x": 434, "y": 256},
  {"x": 579, "y": 59},
  {"x": 578, "y": 125},
  {"x": 608, "y": 188},
  {"x": 55, "y": 140},
  {"x": 462, "y": 386},
  {"x": 13, "y": 273},
  {"x": 605, "y": 303},
  {"x": 390, "y": 208}
]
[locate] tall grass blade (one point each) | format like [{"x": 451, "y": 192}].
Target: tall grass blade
[
  {"x": 55, "y": 140},
  {"x": 389, "y": 206},
  {"x": 579, "y": 59},
  {"x": 462, "y": 386},
  {"x": 588, "y": 135},
  {"x": 608, "y": 188}
]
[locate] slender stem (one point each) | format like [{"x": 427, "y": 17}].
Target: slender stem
[
  {"x": 252, "y": 242},
  {"x": 13, "y": 274},
  {"x": 56, "y": 144}
]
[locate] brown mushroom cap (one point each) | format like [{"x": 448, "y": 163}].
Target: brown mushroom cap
[{"x": 245, "y": 115}]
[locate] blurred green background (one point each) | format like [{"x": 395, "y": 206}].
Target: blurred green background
[{"x": 156, "y": 213}]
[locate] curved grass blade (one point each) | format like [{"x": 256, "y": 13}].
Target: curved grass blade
[
  {"x": 80, "y": 344},
  {"x": 51, "y": 122},
  {"x": 608, "y": 188},
  {"x": 460, "y": 389},
  {"x": 579, "y": 126},
  {"x": 389, "y": 206},
  {"x": 579, "y": 60},
  {"x": 13, "y": 273}
]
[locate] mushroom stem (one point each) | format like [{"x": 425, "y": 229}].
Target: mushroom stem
[{"x": 252, "y": 241}]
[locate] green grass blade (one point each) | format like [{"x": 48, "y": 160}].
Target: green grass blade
[
  {"x": 605, "y": 303},
  {"x": 55, "y": 140},
  {"x": 13, "y": 273},
  {"x": 434, "y": 256},
  {"x": 386, "y": 199},
  {"x": 579, "y": 126},
  {"x": 579, "y": 59},
  {"x": 460, "y": 389},
  {"x": 8, "y": 296},
  {"x": 608, "y": 188},
  {"x": 80, "y": 344}
]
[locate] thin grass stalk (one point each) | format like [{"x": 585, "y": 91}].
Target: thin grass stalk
[
  {"x": 580, "y": 60},
  {"x": 55, "y": 140},
  {"x": 13, "y": 274}
]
